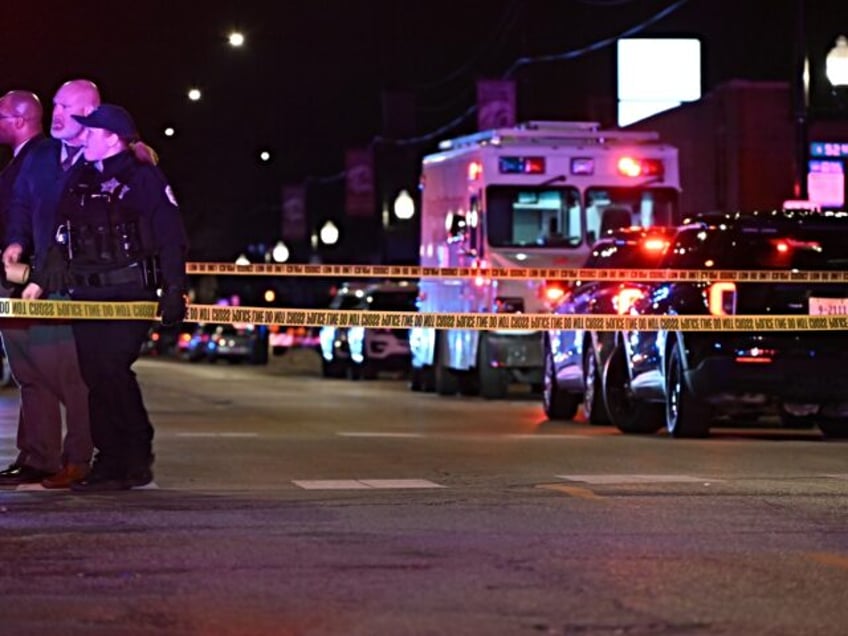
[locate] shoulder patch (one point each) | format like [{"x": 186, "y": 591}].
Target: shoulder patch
[{"x": 170, "y": 194}]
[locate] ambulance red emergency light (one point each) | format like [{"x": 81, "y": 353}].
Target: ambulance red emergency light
[{"x": 535, "y": 195}]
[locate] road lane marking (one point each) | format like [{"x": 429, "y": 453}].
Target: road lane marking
[
  {"x": 573, "y": 491},
  {"x": 636, "y": 479},
  {"x": 830, "y": 558},
  {"x": 377, "y": 434},
  {"x": 545, "y": 436},
  {"x": 364, "y": 484},
  {"x": 226, "y": 434},
  {"x": 38, "y": 487}
]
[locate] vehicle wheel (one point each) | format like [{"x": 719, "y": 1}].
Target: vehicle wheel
[
  {"x": 627, "y": 413},
  {"x": 444, "y": 379},
  {"x": 834, "y": 427},
  {"x": 787, "y": 420},
  {"x": 593, "y": 399},
  {"x": 558, "y": 404},
  {"x": 421, "y": 379},
  {"x": 685, "y": 415},
  {"x": 494, "y": 382},
  {"x": 332, "y": 369},
  {"x": 369, "y": 370}
]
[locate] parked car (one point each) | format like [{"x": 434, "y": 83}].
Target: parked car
[
  {"x": 332, "y": 341},
  {"x": 363, "y": 352},
  {"x": 574, "y": 358},
  {"x": 684, "y": 380},
  {"x": 165, "y": 341},
  {"x": 196, "y": 348},
  {"x": 233, "y": 343}
]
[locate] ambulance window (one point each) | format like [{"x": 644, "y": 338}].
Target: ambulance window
[
  {"x": 533, "y": 217},
  {"x": 609, "y": 208}
]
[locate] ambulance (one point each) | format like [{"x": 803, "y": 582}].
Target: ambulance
[{"x": 534, "y": 195}]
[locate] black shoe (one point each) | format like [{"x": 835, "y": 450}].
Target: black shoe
[
  {"x": 15, "y": 475},
  {"x": 99, "y": 482},
  {"x": 138, "y": 478}
]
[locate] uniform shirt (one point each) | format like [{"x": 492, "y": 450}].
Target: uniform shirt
[{"x": 138, "y": 190}]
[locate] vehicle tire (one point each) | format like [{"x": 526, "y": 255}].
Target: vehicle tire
[
  {"x": 558, "y": 404},
  {"x": 834, "y": 427},
  {"x": 685, "y": 415},
  {"x": 369, "y": 370},
  {"x": 332, "y": 369},
  {"x": 627, "y": 413},
  {"x": 444, "y": 379},
  {"x": 421, "y": 379},
  {"x": 593, "y": 399},
  {"x": 494, "y": 382},
  {"x": 787, "y": 420}
]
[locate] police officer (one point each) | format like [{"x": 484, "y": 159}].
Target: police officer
[{"x": 119, "y": 237}]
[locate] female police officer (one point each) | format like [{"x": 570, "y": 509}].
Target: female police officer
[{"x": 119, "y": 237}]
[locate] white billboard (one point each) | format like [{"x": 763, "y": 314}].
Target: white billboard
[{"x": 655, "y": 74}]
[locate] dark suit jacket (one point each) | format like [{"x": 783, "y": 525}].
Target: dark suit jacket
[
  {"x": 7, "y": 181},
  {"x": 31, "y": 220}
]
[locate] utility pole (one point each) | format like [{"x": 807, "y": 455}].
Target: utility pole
[{"x": 801, "y": 105}]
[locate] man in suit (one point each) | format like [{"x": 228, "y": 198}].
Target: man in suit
[{"x": 43, "y": 355}]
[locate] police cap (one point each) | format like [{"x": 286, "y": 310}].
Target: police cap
[{"x": 110, "y": 117}]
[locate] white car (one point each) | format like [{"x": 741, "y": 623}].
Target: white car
[{"x": 360, "y": 352}]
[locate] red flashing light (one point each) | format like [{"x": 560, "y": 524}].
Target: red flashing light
[
  {"x": 636, "y": 167},
  {"x": 655, "y": 245}
]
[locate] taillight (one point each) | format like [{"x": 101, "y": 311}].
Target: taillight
[
  {"x": 721, "y": 298},
  {"x": 626, "y": 298}
]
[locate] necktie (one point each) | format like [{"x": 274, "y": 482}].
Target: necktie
[{"x": 70, "y": 153}]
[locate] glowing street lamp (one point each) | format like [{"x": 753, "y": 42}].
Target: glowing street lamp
[
  {"x": 404, "y": 206},
  {"x": 236, "y": 39},
  {"x": 169, "y": 131},
  {"x": 194, "y": 94},
  {"x": 242, "y": 260},
  {"x": 836, "y": 63},
  {"x": 329, "y": 233},
  {"x": 280, "y": 253}
]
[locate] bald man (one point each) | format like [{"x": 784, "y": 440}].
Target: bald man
[{"x": 43, "y": 355}]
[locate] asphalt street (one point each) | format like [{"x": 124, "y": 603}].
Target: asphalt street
[{"x": 285, "y": 503}]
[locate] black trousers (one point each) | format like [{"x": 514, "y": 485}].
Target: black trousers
[{"x": 120, "y": 427}]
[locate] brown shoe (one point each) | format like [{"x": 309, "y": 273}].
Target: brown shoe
[{"x": 65, "y": 477}]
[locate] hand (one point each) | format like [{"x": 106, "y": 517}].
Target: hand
[
  {"x": 12, "y": 253},
  {"x": 172, "y": 307},
  {"x": 32, "y": 292}
]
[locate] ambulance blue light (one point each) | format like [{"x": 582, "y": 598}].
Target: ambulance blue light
[{"x": 521, "y": 165}]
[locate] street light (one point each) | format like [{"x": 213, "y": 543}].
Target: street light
[
  {"x": 236, "y": 39},
  {"x": 404, "y": 206},
  {"x": 836, "y": 63},
  {"x": 194, "y": 94},
  {"x": 242, "y": 260},
  {"x": 280, "y": 253},
  {"x": 329, "y": 233}
]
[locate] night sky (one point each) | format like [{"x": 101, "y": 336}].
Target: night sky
[{"x": 308, "y": 82}]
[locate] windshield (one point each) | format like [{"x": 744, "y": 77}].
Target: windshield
[
  {"x": 521, "y": 216},
  {"x": 612, "y": 208}
]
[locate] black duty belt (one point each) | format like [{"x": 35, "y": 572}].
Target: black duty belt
[{"x": 123, "y": 276}]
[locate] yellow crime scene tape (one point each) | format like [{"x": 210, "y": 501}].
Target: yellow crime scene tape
[
  {"x": 519, "y": 273},
  {"x": 89, "y": 310}
]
